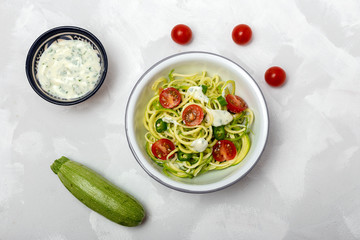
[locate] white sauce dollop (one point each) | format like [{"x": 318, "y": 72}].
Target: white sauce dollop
[
  {"x": 199, "y": 145},
  {"x": 69, "y": 69},
  {"x": 169, "y": 120},
  {"x": 197, "y": 93},
  {"x": 221, "y": 117}
]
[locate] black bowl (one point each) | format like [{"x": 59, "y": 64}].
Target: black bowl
[{"x": 44, "y": 41}]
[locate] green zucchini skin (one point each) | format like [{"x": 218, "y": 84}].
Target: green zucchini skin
[{"x": 98, "y": 193}]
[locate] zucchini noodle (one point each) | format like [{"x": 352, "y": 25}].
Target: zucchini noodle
[{"x": 182, "y": 135}]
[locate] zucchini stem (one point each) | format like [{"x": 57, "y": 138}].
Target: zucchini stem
[{"x": 55, "y": 167}]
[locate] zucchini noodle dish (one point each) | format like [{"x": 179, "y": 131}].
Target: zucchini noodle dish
[{"x": 195, "y": 123}]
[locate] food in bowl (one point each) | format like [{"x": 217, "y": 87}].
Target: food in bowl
[
  {"x": 69, "y": 69},
  {"x": 195, "y": 123},
  {"x": 69, "y": 52},
  {"x": 189, "y": 63}
]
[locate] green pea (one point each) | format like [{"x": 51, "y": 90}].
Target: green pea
[
  {"x": 184, "y": 156},
  {"x": 160, "y": 125},
  {"x": 219, "y": 132}
]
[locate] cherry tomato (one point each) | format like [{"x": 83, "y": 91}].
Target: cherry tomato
[
  {"x": 235, "y": 103},
  {"x": 241, "y": 34},
  {"x": 224, "y": 150},
  {"x": 181, "y": 34},
  {"x": 161, "y": 148},
  {"x": 169, "y": 97},
  {"x": 160, "y": 90},
  {"x": 275, "y": 76},
  {"x": 193, "y": 115}
]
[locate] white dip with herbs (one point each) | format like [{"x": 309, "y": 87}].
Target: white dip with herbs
[
  {"x": 199, "y": 145},
  {"x": 197, "y": 93},
  {"x": 69, "y": 69},
  {"x": 221, "y": 117}
]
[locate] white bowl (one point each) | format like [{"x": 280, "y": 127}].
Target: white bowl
[{"x": 192, "y": 62}]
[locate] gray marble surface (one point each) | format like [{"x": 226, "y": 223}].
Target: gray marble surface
[{"x": 306, "y": 184}]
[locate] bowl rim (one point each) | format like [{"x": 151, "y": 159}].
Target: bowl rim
[
  {"x": 199, "y": 191},
  {"x": 39, "y": 40}
]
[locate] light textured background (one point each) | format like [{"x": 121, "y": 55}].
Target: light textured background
[{"x": 305, "y": 186}]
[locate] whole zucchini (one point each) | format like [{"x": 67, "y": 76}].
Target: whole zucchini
[{"x": 98, "y": 193}]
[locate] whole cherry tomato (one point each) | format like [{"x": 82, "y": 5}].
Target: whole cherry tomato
[
  {"x": 241, "y": 34},
  {"x": 181, "y": 34},
  {"x": 275, "y": 76}
]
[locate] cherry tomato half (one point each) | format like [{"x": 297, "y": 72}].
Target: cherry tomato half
[
  {"x": 169, "y": 97},
  {"x": 275, "y": 76},
  {"x": 161, "y": 148},
  {"x": 224, "y": 150},
  {"x": 181, "y": 34},
  {"x": 235, "y": 103},
  {"x": 193, "y": 115},
  {"x": 241, "y": 34}
]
